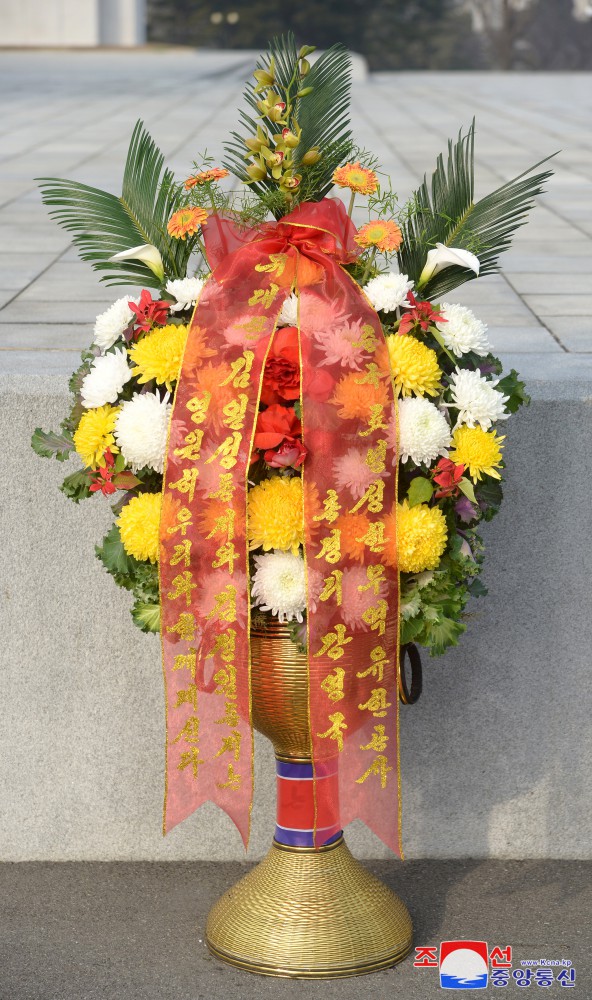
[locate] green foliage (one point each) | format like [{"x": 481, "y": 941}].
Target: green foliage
[
  {"x": 489, "y": 493},
  {"x": 77, "y": 486},
  {"x": 443, "y": 211},
  {"x": 433, "y": 604},
  {"x": 141, "y": 578},
  {"x": 322, "y": 115},
  {"x": 146, "y": 616},
  {"x": 104, "y": 224},
  {"x": 115, "y": 559},
  {"x": 420, "y": 491},
  {"x": 513, "y": 387},
  {"x": 48, "y": 444},
  {"x": 324, "y": 119}
]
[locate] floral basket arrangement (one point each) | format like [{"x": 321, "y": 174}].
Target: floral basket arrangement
[{"x": 300, "y": 432}]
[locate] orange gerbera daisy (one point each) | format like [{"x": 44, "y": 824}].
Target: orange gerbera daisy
[
  {"x": 357, "y": 178},
  {"x": 357, "y": 399},
  {"x": 384, "y": 234},
  {"x": 186, "y": 221},
  {"x": 353, "y": 528},
  {"x": 205, "y": 177}
]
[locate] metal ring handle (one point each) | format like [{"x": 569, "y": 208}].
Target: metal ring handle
[{"x": 409, "y": 695}]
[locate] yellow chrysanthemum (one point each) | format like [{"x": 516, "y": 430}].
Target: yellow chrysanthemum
[
  {"x": 419, "y": 540},
  {"x": 357, "y": 178},
  {"x": 159, "y": 354},
  {"x": 138, "y": 526},
  {"x": 479, "y": 450},
  {"x": 94, "y": 434},
  {"x": 414, "y": 366},
  {"x": 276, "y": 515}
]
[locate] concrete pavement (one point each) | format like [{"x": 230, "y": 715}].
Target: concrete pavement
[
  {"x": 135, "y": 931},
  {"x": 71, "y": 114}
]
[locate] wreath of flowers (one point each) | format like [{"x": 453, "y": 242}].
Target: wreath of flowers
[{"x": 453, "y": 398}]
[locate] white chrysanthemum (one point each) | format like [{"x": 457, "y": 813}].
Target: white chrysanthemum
[
  {"x": 388, "y": 291},
  {"x": 141, "y": 430},
  {"x": 289, "y": 313},
  {"x": 424, "y": 433},
  {"x": 110, "y": 325},
  {"x": 279, "y": 585},
  {"x": 106, "y": 379},
  {"x": 462, "y": 332},
  {"x": 477, "y": 399},
  {"x": 186, "y": 291}
]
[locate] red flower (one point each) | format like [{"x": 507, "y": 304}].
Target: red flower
[
  {"x": 281, "y": 379},
  {"x": 421, "y": 314},
  {"x": 149, "y": 312},
  {"x": 274, "y": 425},
  {"x": 278, "y": 435},
  {"x": 103, "y": 476},
  {"x": 290, "y": 452},
  {"x": 448, "y": 478}
]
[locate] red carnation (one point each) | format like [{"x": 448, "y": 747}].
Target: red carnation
[
  {"x": 290, "y": 453},
  {"x": 274, "y": 425},
  {"x": 281, "y": 379},
  {"x": 278, "y": 434}
]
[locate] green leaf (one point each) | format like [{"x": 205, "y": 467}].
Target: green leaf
[
  {"x": 410, "y": 604},
  {"x": 145, "y": 582},
  {"x": 104, "y": 224},
  {"x": 512, "y": 387},
  {"x": 439, "y": 337},
  {"x": 420, "y": 491},
  {"x": 126, "y": 481},
  {"x": 465, "y": 486},
  {"x": 411, "y": 629},
  {"x": 115, "y": 559},
  {"x": 477, "y": 589},
  {"x": 77, "y": 486},
  {"x": 443, "y": 633},
  {"x": 48, "y": 444},
  {"x": 146, "y": 616},
  {"x": 489, "y": 492},
  {"x": 443, "y": 211}
]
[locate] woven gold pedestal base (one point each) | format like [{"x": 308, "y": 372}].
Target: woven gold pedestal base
[{"x": 309, "y": 914}]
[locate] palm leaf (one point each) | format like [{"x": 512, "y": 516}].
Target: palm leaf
[
  {"x": 323, "y": 116},
  {"x": 104, "y": 224},
  {"x": 444, "y": 212}
]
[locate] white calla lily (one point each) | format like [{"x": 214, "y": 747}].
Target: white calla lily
[
  {"x": 442, "y": 256},
  {"x": 148, "y": 254}
]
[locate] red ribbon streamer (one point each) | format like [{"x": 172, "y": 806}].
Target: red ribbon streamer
[{"x": 349, "y": 485}]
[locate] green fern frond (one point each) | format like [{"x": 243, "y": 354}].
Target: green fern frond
[
  {"x": 104, "y": 224},
  {"x": 444, "y": 211}
]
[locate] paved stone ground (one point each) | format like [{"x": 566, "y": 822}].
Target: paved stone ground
[
  {"x": 135, "y": 931},
  {"x": 71, "y": 114}
]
